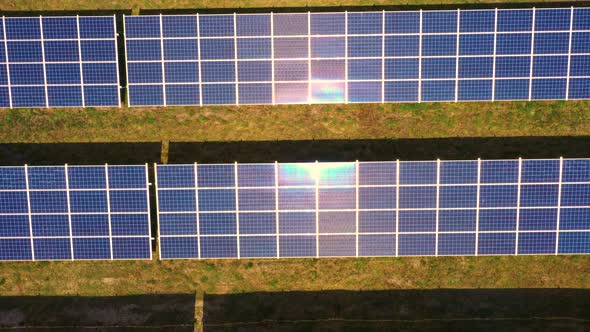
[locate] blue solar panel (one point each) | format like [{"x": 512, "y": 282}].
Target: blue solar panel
[
  {"x": 258, "y": 223},
  {"x": 382, "y": 49},
  {"x": 487, "y": 207},
  {"x": 258, "y": 246},
  {"x": 74, "y": 213},
  {"x": 53, "y": 62}
]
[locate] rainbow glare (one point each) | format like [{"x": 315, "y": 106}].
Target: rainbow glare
[
  {"x": 291, "y": 93},
  {"x": 312, "y": 173},
  {"x": 327, "y": 92}
]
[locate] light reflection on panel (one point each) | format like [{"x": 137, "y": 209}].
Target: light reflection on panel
[
  {"x": 382, "y": 52},
  {"x": 321, "y": 209},
  {"x": 327, "y": 92}
]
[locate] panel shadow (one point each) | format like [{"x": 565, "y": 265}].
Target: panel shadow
[
  {"x": 380, "y": 149},
  {"x": 18, "y": 154},
  {"x": 407, "y": 310},
  {"x": 171, "y": 312}
]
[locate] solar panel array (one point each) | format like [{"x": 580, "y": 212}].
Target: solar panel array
[
  {"x": 428, "y": 208},
  {"x": 352, "y": 57},
  {"x": 58, "y": 62},
  {"x": 74, "y": 213}
]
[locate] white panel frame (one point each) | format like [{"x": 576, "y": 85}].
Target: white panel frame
[
  {"x": 67, "y": 213},
  {"x": 108, "y": 192},
  {"x": 277, "y": 222},
  {"x": 29, "y": 212},
  {"x": 81, "y": 67},
  {"x": 458, "y": 33},
  {"x": 43, "y": 61},
  {"x": 532, "y": 55},
  {"x": 518, "y": 205},
  {"x": 420, "y": 60},
  {"x": 437, "y": 206},
  {"x": 7, "y": 63},
  {"x": 197, "y": 210},
  {"x": 557, "y": 226},
  {"x": 67, "y": 178},
  {"x": 356, "y": 214},
  {"x": 317, "y": 186},
  {"x": 569, "y": 54},
  {"x": 272, "y": 56},
  {"x": 236, "y": 63},
  {"x": 164, "y": 101},
  {"x": 317, "y": 213},
  {"x": 200, "y": 70},
  {"x": 157, "y": 211},
  {"x": 237, "y": 202},
  {"x": 495, "y": 55},
  {"x": 477, "y": 207}
]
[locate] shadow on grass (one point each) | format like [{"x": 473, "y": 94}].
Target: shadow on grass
[
  {"x": 407, "y": 310},
  {"x": 171, "y": 312},
  {"x": 17, "y": 154},
  {"x": 381, "y": 149}
]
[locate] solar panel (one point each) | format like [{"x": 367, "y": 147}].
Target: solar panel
[
  {"x": 358, "y": 57},
  {"x": 74, "y": 213},
  {"x": 396, "y": 208},
  {"x": 58, "y": 62}
]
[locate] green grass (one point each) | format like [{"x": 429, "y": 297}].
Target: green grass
[
  {"x": 137, "y": 5},
  {"x": 297, "y": 122},
  {"x": 220, "y": 276}
]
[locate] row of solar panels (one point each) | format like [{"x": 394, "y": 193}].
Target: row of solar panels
[
  {"x": 346, "y": 57},
  {"x": 427, "y": 208}
]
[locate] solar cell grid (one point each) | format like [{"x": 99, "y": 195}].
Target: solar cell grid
[
  {"x": 74, "y": 213},
  {"x": 59, "y": 62},
  {"x": 389, "y": 57},
  {"x": 488, "y": 207}
]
